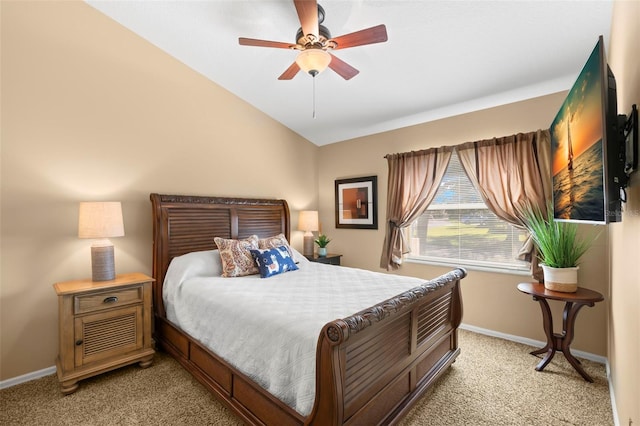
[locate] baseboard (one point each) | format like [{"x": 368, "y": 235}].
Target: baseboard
[
  {"x": 612, "y": 395},
  {"x": 27, "y": 377},
  {"x": 531, "y": 342}
]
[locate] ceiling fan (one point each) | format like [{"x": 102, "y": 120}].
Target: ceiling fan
[{"x": 315, "y": 43}]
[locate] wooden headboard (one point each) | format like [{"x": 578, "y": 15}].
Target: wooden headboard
[{"x": 184, "y": 223}]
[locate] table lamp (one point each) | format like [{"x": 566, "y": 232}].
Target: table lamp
[
  {"x": 101, "y": 221},
  {"x": 308, "y": 222}
]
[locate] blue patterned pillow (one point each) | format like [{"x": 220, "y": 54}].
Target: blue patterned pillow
[{"x": 273, "y": 261}]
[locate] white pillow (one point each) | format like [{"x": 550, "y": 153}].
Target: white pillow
[{"x": 195, "y": 264}]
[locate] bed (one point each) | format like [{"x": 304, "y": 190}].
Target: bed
[{"x": 370, "y": 366}]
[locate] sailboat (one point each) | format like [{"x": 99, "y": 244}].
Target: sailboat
[{"x": 570, "y": 147}]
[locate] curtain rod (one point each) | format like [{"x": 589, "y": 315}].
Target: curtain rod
[{"x": 452, "y": 147}]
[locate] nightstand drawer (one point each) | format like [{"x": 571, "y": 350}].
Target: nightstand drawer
[{"x": 106, "y": 300}]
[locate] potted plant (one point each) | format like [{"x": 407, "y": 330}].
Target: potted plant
[
  {"x": 322, "y": 241},
  {"x": 559, "y": 248}
]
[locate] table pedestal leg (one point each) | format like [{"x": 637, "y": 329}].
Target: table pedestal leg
[
  {"x": 547, "y": 323},
  {"x": 568, "y": 322},
  {"x": 560, "y": 342}
]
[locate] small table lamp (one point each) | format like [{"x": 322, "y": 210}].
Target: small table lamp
[
  {"x": 308, "y": 222},
  {"x": 101, "y": 221}
]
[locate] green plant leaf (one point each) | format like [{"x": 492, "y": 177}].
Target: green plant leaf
[
  {"x": 558, "y": 243},
  {"x": 322, "y": 240}
]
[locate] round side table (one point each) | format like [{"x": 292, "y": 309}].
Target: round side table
[{"x": 560, "y": 341}]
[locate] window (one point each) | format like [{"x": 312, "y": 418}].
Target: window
[{"x": 458, "y": 228}]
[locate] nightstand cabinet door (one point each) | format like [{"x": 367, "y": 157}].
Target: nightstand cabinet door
[{"x": 107, "y": 334}]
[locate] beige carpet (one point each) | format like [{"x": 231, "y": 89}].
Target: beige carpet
[{"x": 493, "y": 382}]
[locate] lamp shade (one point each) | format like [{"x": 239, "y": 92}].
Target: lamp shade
[
  {"x": 308, "y": 221},
  {"x": 313, "y": 61},
  {"x": 100, "y": 220}
]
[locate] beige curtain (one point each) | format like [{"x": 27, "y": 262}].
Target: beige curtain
[
  {"x": 414, "y": 178},
  {"x": 510, "y": 173}
]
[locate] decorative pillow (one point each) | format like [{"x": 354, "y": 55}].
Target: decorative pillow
[
  {"x": 273, "y": 261},
  {"x": 236, "y": 257},
  {"x": 275, "y": 241}
]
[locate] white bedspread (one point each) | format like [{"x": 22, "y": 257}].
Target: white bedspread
[{"x": 268, "y": 328}]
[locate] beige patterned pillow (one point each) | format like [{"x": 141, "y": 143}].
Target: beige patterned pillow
[
  {"x": 236, "y": 257},
  {"x": 274, "y": 242}
]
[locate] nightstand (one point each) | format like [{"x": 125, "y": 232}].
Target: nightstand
[
  {"x": 329, "y": 259},
  {"x": 102, "y": 325}
]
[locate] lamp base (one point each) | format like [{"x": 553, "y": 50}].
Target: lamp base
[
  {"x": 307, "y": 248},
  {"x": 102, "y": 263}
]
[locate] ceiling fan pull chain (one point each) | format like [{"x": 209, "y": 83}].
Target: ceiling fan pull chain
[{"x": 314, "y": 96}]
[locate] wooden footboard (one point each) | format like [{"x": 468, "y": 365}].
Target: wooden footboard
[
  {"x": 370, "y": 368},
  {"x": 373, "y": 365}
]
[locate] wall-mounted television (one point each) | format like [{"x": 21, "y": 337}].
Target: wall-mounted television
[{"x": 587, "y": 148}]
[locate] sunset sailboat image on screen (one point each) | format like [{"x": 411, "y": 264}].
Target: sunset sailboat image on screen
[{"x": 577, "y": 167}]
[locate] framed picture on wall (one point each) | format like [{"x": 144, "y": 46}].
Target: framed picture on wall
[{"x": 356, "y": 203}]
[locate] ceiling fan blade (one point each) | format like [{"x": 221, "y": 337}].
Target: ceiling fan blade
[
  {"x": 264, "y": 43},
  {"x": 343, "y": 69},
  {"x": 377, "y": 34},
  {"x": 290, "y": 72},
  {"x": 308, "y": 15}
]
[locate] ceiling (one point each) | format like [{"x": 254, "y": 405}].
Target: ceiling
[{"x": 442, "y": 58}]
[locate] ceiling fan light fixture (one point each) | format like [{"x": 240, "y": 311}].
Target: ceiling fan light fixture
[{"x": 313, "y": 61}]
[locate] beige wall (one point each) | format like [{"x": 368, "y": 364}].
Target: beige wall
[
  {"x": 624, "y": 328},
  {"x": 491, "y": 300},
  {"x": 91, "y": 111}
]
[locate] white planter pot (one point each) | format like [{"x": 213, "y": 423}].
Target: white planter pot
[
  {"x": 322, "y": 251},
  {"x": 560, "y": 279}
]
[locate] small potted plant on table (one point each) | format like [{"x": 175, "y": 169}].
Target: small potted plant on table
[
  {"x": 322, "y": 241},
  {"x": 559, "y": 248}
]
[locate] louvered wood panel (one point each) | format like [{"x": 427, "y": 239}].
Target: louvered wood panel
[
  {"x": 262, "y": 222},
  {"x": 108, "y": 334},
  {"x": 365, "y": 368},
  {"x": 194, "y": 229},
  {"x": 433, "y": 316}
]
